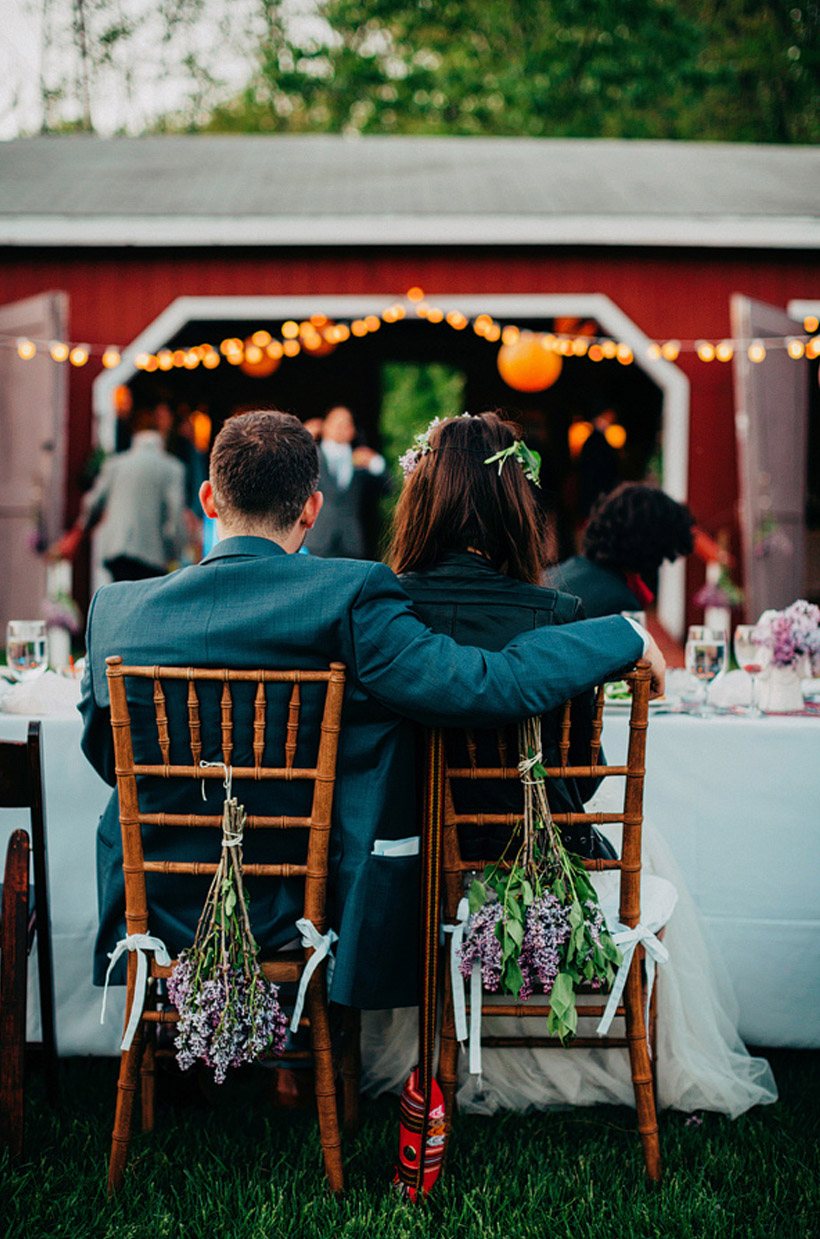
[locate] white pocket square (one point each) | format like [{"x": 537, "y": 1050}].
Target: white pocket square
[{"x": 396, "y": 847}]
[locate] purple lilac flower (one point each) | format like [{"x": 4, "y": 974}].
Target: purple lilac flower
[
  {"x": 546, "y": 930},
  {"x": 409, "y": 460},
  {"x": 481, "y": 946},
  {"x": 226, "y": 1020}
]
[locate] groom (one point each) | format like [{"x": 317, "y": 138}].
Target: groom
[{"x": 254, "y": 603}]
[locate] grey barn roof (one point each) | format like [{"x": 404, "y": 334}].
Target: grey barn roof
[{"x": 323, "y": 190}]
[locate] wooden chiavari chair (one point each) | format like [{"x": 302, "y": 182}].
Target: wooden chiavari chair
[
  {"x": 630, "y": 816},
  {"x": 286, "y": 966},
  {"x": 25, "y": 919}
]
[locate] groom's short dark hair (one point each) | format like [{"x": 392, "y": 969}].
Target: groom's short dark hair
[{"x": 264, "y": 465}]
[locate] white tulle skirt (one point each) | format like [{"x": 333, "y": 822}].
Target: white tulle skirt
[{"x": 701, "y": 1062}]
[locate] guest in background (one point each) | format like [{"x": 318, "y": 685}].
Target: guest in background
[
  {"x": 597, "y": 464},
  {"x": 348, "y": 478},
  {"x": 138, "y": 499},
  {"x": 630, "y": 534}
]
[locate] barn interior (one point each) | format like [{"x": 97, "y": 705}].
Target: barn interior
[{"x": 396, "y": 378}]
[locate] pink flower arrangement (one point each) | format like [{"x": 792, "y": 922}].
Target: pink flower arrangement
[{"x": 791, "y": 634}]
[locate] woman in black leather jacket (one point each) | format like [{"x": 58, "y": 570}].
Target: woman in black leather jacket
[{"x": 469, "y": 543}]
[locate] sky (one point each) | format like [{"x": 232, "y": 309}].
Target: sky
[{"x": 157, "y": 87}]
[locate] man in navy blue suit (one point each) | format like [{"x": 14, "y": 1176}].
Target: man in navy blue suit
[{"x": 253, "y": 602}]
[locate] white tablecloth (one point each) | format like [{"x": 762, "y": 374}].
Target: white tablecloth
[{"x": 736, "y": 800}]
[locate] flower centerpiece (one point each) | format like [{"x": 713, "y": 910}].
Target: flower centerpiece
[
  {"x": 229, "y": 1013},
  {"x": 789, "y": 639},
  {"x": 536, "y": 924}
]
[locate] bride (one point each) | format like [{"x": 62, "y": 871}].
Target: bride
[{"x": 469, "y": 542}]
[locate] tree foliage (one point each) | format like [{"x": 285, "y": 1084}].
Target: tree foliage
[{"x": 741, "y": 70}]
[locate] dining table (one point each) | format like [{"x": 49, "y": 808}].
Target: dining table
[{"x": 736, "y": 800}]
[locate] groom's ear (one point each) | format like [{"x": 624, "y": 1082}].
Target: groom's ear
[
  {"x": 311, "y": 510},
  {"x": 206, "y": 498}
]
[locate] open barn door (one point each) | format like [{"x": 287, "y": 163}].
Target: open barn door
[
  {"x": 32, "y": 460},
  {"x": 771, "y": 426}
]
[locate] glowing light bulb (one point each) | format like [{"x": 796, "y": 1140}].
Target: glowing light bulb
[
  {"x": 358, "y": 328},
  {"x": 253, "y": 354},
  {"x": 670, "y": 351},
  {"x": 510, "y": 334},
  {"x": 705, "y": 350},
  {"x": 372, "y": 322},
  {"x": 756, "y": 351},
  {"x": 211, "y": 360},
  {"x": 796, "y": 349},
  {"x": 580, "y": 346},
  {"x": 595, "y": 353},
  {"x": 111, "y": 358},
  {"x": 435, "y": 315},
  {"x": 26, "y": 349},
  {"x": 813, "y": 348},
  {"x": 58, "y": 350},
  {"x": 165, "y": 359},
  {"x": 261, "y": 338},
  {"x": 415, "y": 293},
  {"x": 625, "y": 356},
  {"x": 654, "y": 351},
  {"x": 810, "y": 323},
  {"x": 274, "y": 350},
  {"x": 725, "y": 351},
  {"x": 609, "y": 349},
  {"x": 291, "y": 348},
  {"x": 290, "y": 330},
  {"x": 493, "y": 333}
]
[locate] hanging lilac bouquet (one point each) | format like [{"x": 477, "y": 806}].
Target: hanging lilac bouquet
[
  {"x": 789, "y": 635},
  {"x": 536, "y": 924},
  {"x": 229, "y": 1012}
]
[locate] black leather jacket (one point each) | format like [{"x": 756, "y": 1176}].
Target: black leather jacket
[{"x": 467, "y": 598}]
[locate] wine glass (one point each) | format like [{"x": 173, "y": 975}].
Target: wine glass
[
  {"x": 706, "y": 650},
  {"x": 26, "y": 649},
  {"x": 751, "y": 658}
]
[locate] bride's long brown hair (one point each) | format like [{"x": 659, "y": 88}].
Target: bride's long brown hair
[{"x": 452, "y": 501}]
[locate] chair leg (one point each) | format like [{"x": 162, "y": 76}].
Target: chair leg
[
  {"x": 641, "y": 1069},
  {"x": 148, "y": 1080},
  {"x": 351, "y": 1069},
  {"x": 448, "y": 1054},
  {"x": 324, "y": 1080},
  {"x": 124, "y": 1114},
  {"x": 13, "y": 987}
]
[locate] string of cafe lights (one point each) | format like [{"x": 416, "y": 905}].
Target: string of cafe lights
[{"x": 319, "y": 335}]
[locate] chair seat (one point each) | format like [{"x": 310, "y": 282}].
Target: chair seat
[{"x": 285, "y": 966}]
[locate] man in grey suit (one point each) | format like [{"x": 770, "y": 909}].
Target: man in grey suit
[
  {"x": 350, "y": 479},
  {"x": 139, "y": 498},
  {"x": 254, "y": 603}
]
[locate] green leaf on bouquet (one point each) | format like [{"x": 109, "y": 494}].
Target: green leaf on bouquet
[
  {"x": 512, "y": 977},
  {"x": 230, "y": 901},
  {"x": 559, "y": 890},
  {"x": 477, "y": 895},
  {"x": 610, "y": 949},
  {"x": 515, "y": 930},
  {"x": 563, "y": 1015},
  {"x": 528, "y": 894},
  {"x": 576, "y": 915}
]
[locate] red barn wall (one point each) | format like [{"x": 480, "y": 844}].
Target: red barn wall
[{"x": 114, "y": 294}]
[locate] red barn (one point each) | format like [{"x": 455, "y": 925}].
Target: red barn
[{"x": 165, "y": 242}]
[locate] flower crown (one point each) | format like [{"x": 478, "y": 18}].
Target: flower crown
[{"x": 529, "y": 460}]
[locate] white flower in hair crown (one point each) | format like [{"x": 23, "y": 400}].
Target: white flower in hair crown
[{"x": 529, "y": 460}]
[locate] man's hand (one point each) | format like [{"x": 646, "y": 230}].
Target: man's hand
[{"x": 657, "y": 662}]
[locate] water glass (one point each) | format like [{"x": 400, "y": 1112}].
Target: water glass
[
  {"x": 751, "y": 658},
  {"x": 706, "y": 652},
  {"x": 26, "y": 649}
]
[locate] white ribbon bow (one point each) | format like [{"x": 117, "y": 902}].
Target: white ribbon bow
[
  {"x": 322, "y": 946},
  {"x": 139, "y": 943},
  {"x": 656, "y": 953},
  {"x": 457, "y": 985}
]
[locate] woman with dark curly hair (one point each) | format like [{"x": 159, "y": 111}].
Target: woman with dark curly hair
[{"x": 631, "y": 532}]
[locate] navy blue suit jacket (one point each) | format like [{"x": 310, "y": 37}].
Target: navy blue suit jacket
[{"x": 249, "y": 604}]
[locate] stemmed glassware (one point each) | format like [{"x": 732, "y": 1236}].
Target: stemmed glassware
[
  {"x": 26, "y": 649},
  {"x": 706, "y": 653},
  {"x": 750, "y": 657}
]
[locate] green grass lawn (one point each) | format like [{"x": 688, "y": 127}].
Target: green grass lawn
[{"x": 235, "y": 1168}]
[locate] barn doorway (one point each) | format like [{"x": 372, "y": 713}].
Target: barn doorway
[{"x": 650, "y": 398}]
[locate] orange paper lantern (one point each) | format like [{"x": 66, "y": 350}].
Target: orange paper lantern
[
  {"x": 257, "y": 362},
  {"x": 530, "y": 364}
]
